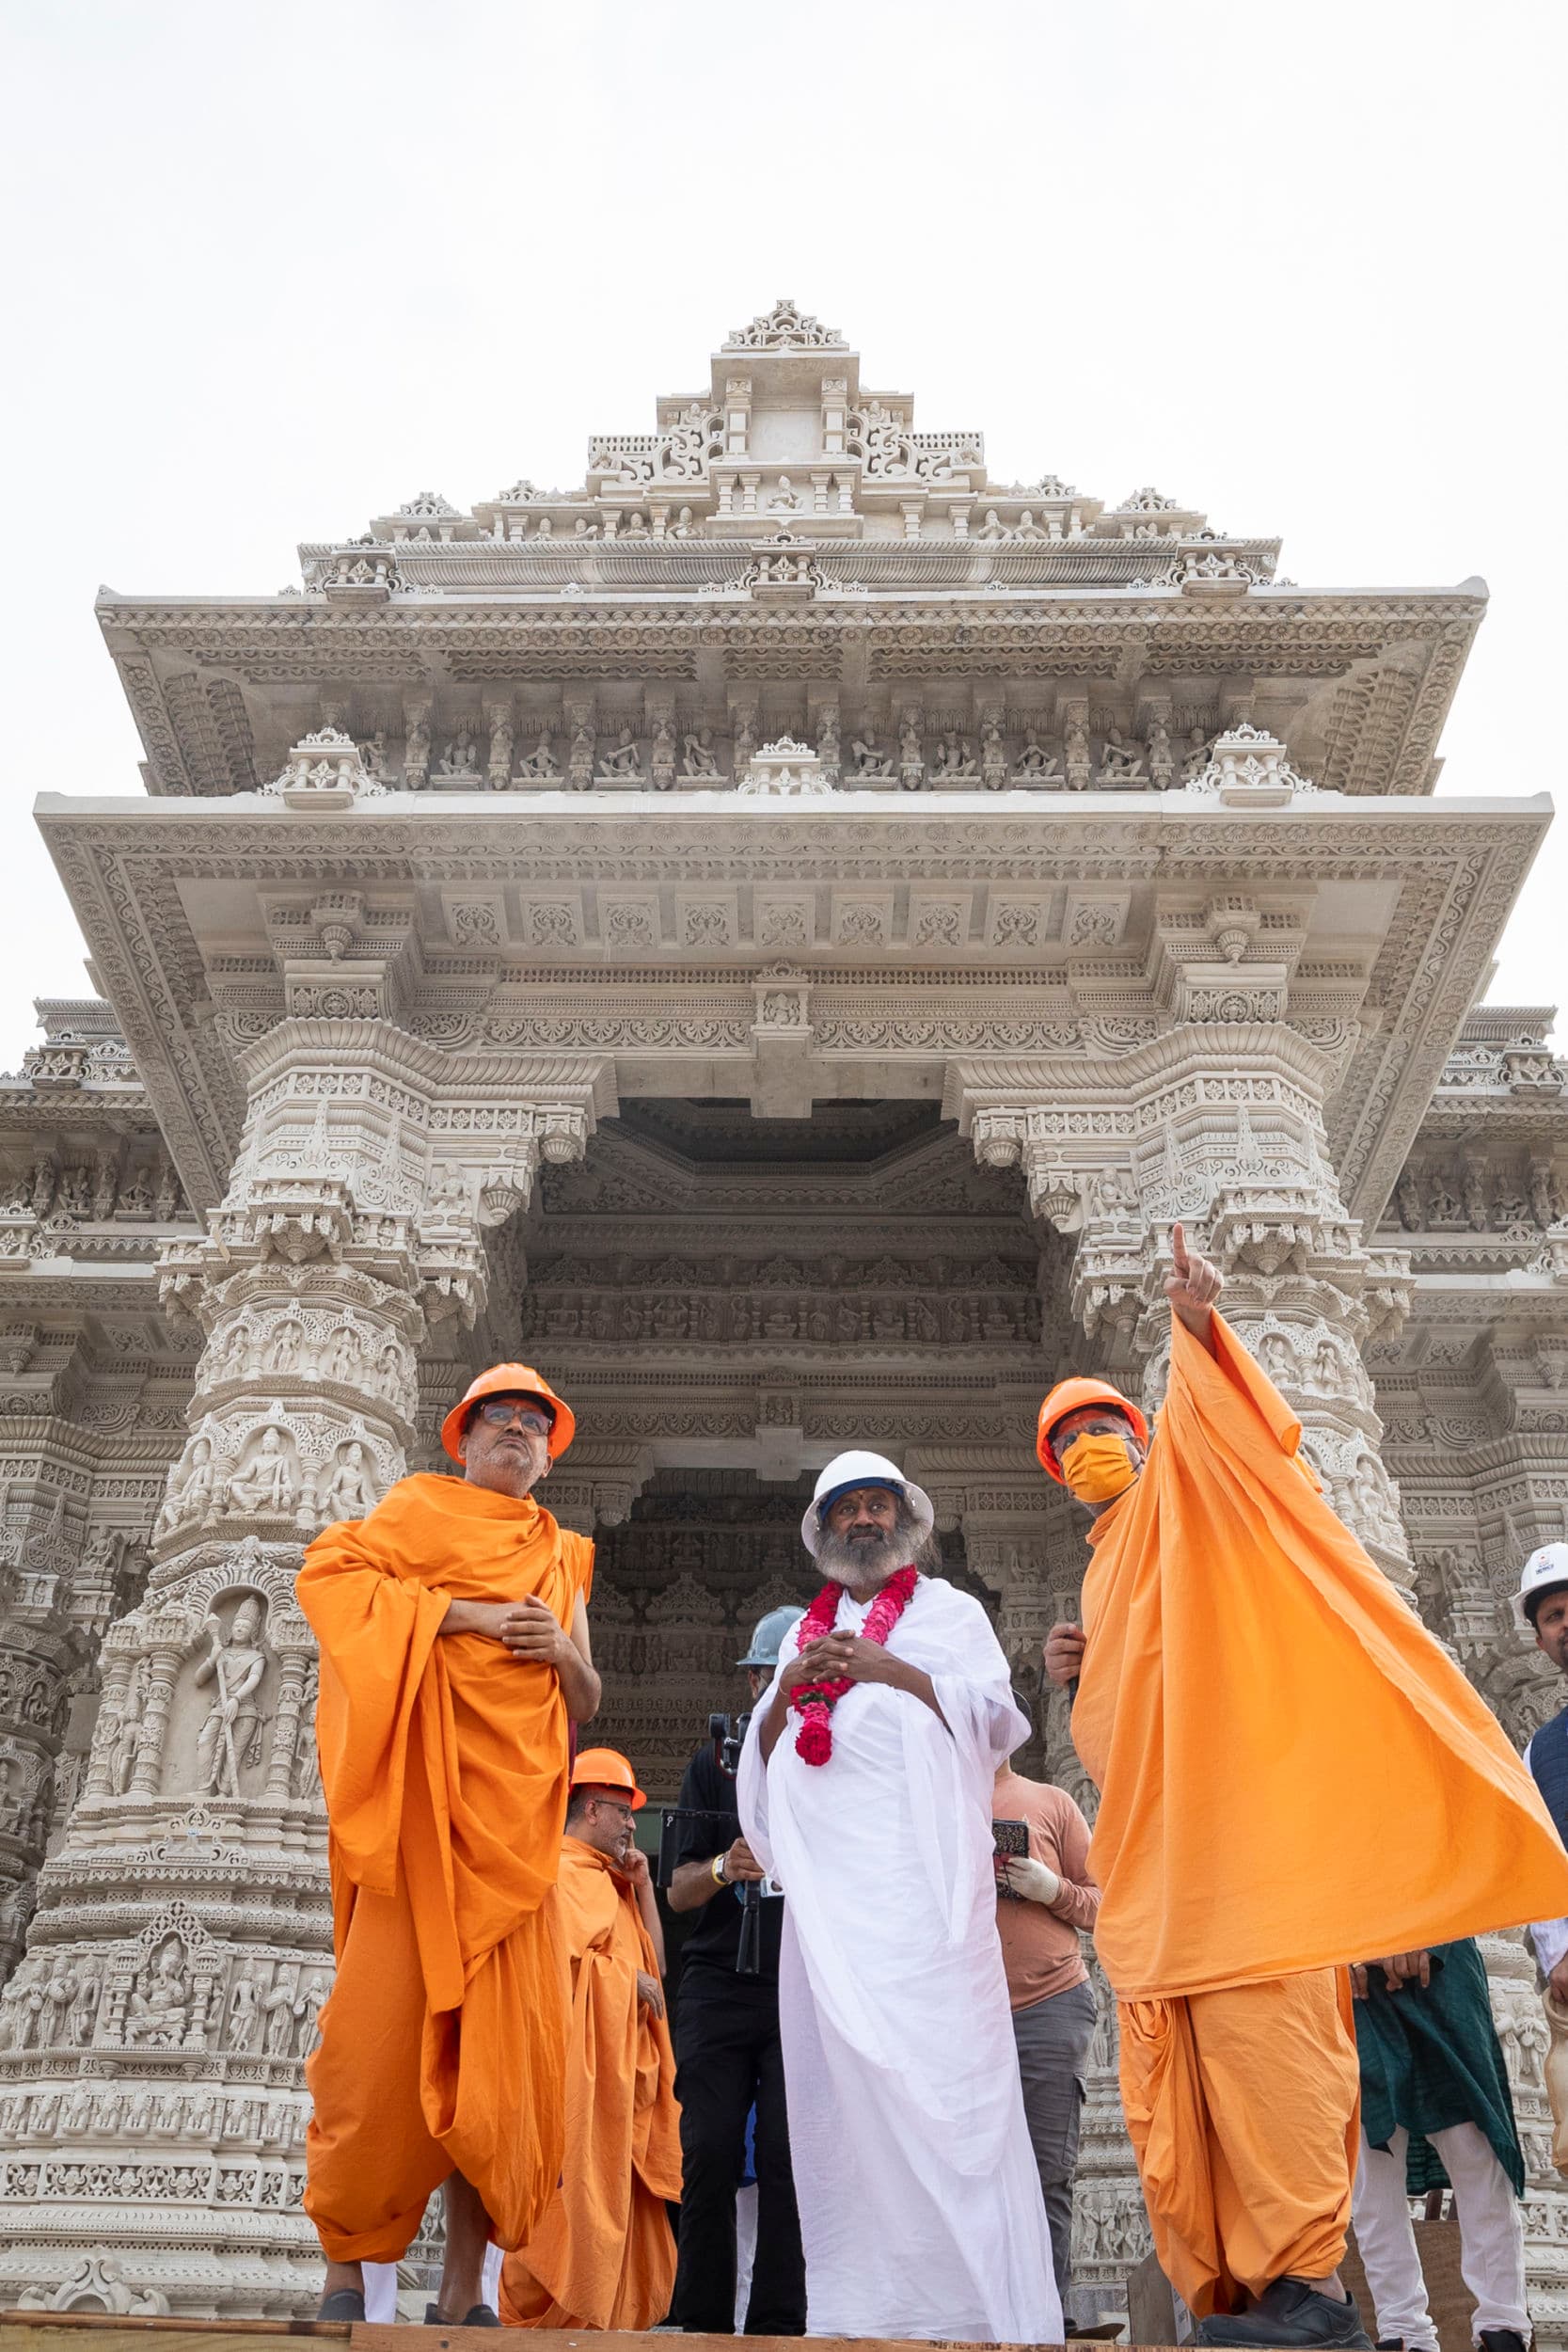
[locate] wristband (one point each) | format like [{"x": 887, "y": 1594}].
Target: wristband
[{"x": 716, "y": 1869}]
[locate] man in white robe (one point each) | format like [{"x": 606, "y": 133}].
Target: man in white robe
[{"x": 920, "y": 2201}]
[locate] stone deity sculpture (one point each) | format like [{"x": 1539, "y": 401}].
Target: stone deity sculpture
[
  {"x": 347, "y": 1494},
  {"x": 160, "y": 2001},
  {"x": 236, "y": 1662},
  {"x": 265, "y": 1484}
]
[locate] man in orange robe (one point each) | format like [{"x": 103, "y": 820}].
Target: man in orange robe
[
  {"x": 603, "y": 2255},
  {"x": 454, "y": 1637},
  {"x": 1292, "y": 1773}
]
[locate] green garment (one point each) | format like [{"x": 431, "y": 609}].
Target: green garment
[{"x": 1430, "y": 2059}]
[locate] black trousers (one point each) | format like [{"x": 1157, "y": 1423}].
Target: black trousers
[{"x": 728, "y": 2060}]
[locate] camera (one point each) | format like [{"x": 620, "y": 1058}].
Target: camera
[{"x": 728, "y": 1735}]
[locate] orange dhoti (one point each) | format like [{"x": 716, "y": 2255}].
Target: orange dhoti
[
  {"x": 443, "y": 1763},
  {"x": 603, "y": 2255},
  {"x": 1294, "y": 1775},
  {"x": 1243, "y": 2110}
]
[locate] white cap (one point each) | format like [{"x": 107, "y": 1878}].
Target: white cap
[
  {"x": 1543, "y": 1569},
  {"x": 848, "y": 1470}
]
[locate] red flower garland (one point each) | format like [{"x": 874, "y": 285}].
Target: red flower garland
[{"x": 814, "y": 1702}]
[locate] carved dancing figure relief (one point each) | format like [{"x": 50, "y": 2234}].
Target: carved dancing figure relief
[
  {"x": 128, "y": 1731},
  {"x": 281, "y": 2009},
  {"x": 84, "y": 2008},
  {"x": 311, "y": 2002},
  {"x": 244, "y": 2020},
  {"x": 955, "y": 759},
  {"x": 624, "y": 761},
  {"x": 230, "y": 1738},
  {"x": 540, "y": 766},
  {"x": 697, "y": 757},
  {"x": 60, "y": 1992},
  {"x": 1119, "y": 762},
  {"x": 308, "y": 1778}
]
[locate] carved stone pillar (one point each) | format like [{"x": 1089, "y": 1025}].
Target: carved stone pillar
[
  {"x": 37, "y": 1651},
  {"x": 181, "y": 1946},
  {"x": 1219, "y": 1124}
]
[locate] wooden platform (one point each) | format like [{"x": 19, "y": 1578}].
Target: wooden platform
[{"x": 64, "y": 2331}]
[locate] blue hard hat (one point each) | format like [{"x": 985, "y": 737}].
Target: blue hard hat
[{"x": 768, "y": 1639}]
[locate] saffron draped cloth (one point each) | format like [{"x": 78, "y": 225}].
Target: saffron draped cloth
[
  {"x": 444, "y": 1766},
  {"x": 603, "y": 2255},
  {"x": 1292, "y": 1774},
  {"x": 921, "y": 2212}
]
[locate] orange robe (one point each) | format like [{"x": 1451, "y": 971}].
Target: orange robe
[
  {"x": 603, "y": 2255},
  {"x": 444, "y": 1765},
  {"x": 1292, "y": 1775}
]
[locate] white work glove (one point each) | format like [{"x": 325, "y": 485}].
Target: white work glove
[{"x": 1033, "y": 1880}]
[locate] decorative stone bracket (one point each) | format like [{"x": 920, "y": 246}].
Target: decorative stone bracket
[
  {"x": 782, "y": 1044},
  {"x": 324, "y": 772}
]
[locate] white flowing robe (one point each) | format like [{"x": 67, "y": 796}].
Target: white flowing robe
[{"x": 920, "y": 2201}]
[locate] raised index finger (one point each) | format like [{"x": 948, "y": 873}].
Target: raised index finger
[{"x": 1178, "y": 1249}]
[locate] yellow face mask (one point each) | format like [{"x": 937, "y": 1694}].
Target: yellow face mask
[{"x": 1097, "y": 1468}]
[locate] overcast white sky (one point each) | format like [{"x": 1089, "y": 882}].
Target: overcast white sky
[{"x": 274, "y": 268}]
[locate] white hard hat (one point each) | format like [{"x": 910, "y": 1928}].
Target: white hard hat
[
  {"x": 847, "y": 1472},
  {"x": 1543, "y": 1571}
]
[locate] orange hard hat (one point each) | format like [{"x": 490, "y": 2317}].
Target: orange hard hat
[
  {"x": 510, "y": 1381},
  {"x": 1073, "y": 1396},
  {"x": 606, "y": 1768}
]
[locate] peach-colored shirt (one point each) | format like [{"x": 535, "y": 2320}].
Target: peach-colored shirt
[{"x": 1040, "y": 1949}]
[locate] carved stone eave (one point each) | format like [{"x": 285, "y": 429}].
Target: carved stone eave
[
  {"x": 1450, "y": 877},
  {"x": 199, "y": 672}
]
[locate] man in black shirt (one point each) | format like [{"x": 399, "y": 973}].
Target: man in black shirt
[{"x": 729, "y": 2059}]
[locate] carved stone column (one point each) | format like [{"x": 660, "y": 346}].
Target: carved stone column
[
  {"x": 1219, "y": 1124},
  {"x": 181, "y": 1946},
  {"x": 37, "y": 1651}
]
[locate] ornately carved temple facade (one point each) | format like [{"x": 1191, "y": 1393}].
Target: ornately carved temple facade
[{"x": 773, "y": 937}]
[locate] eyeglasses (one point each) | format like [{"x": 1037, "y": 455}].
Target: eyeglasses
[
  {"x": 500, "y": 1412},
  {"x": 613, "y": 1804}
]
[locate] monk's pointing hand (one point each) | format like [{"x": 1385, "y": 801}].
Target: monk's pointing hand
[{"x": 1192, "y": 1286}]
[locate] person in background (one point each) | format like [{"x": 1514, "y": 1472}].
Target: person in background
[
  {"x": 1542, "y": 1605},
  {"x": 1436, "y": 2109},
  {"x": 1046, "y": 1901},
  {"x": 727, "y": 2044},
  {"x": 604, "y": 2254}
]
